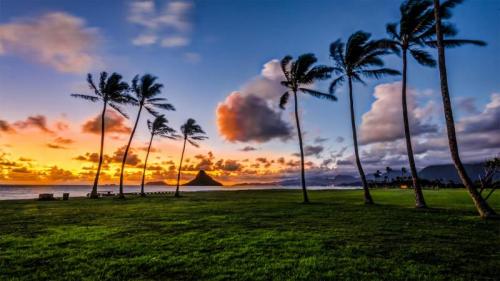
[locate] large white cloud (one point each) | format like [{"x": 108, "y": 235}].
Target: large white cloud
[
  {"x": 252, "y": 114},
  {"x": 57, "y": 39},
  {"x": 384, "y": 121}
]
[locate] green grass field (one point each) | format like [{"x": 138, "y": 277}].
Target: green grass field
[{"x": 250, "y": 235}]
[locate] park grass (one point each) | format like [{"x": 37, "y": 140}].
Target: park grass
[{"x": 250, "y": 235}]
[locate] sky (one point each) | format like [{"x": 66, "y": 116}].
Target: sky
[{"x": 219, "y": 63}]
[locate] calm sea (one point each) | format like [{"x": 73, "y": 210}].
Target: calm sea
[{"x": 9, "y": 192}]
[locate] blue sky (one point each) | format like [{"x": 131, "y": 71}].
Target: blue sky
[{"x": 229, "y": 42}]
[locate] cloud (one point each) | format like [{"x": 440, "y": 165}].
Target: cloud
[
  {"x": 61, "y": 140},
  {"x": 340, "y": 139},
  {"x": 312, "y": 150},
  {"x": 170, "y": 26},
  {"x": 467, "y": 104},
  {"x": 249, "y": 118},
  {"x": 251, "y": 114},
  {"x": 113, "y": 123},
  {"x": 192, "y": 57},
  {"x": 57, "y": 39},
  {"x": 55, "y": 146},
  {"x": 6, "y": 127},
  {"x": 320, "y": 140},
  {"x": 37, "y": 122},
  {"x": 384, "y": 121},
  {"x": 248, "y": 148}
]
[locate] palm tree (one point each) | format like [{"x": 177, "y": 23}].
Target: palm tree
[
  {"x": 443, "y": 12},
  {"x": 158, "y": 127},
  {"x": 191, "y": 133},
  {"x": 111, "y": 91},
  {"x": 146, "y": 92},
  {"x": 361, "y": 54},
  {"x": 299, "y": 75},
  {"x": 403, "y": 172},
  {"x": 409, "y": 35}
]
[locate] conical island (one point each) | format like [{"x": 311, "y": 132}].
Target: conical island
[{"x": 203, "y": 179}]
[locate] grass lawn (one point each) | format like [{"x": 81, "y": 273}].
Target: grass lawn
[{"x": 250, "y": 235}]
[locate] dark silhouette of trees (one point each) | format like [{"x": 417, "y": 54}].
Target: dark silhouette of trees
[
  {"x": 444, "y": 12},
  {"x": 110, "y": 91},
  {"x": 191, "y": 132},
  {"x": 299, "y": 75},
  {"x": 353, "y": 64},
  {"x": 146, "y": 92},
  {"x": 159, "y": 127}
]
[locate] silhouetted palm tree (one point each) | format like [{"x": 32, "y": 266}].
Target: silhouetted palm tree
[
  {"x": 146, "y": 92},
  {"x": 299, "y": 75},
  {"x": 353, "y": 64},
  {"x": 444, "y": 12},
  {"x": 111, "y": 91},
  {"x": 191, "y": 133},
  {"x": 409, "y": 35},
  {"x": 159, "y": 127},
  {"x": 403, "y": 172}
]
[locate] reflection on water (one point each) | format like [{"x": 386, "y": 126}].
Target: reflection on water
[{"x": 28, "y": 192}]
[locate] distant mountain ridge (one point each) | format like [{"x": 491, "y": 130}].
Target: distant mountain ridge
[{"x": 447, "y": 172}]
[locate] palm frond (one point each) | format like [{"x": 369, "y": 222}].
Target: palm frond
[
  {"x": 284, "y": 99},
  {"x": 152, "y": 111},
  {"x": 164, "y": 106},
  {"x": 423, "y": 57},
  {"x": 379, "y": 73},
  {"x": 319, "y": 72},
  {"x": 318, "y": 94},
  {"x": 193, "y": 143},
  {"x": 285, "y": 61},
  {"x": 452, "y": 43},
  {"x": 85, "y": 97},
  {"x": 336, "y": 83},
  {"x": 92, "y": 86},
  {"x": 118, "y": 109}
]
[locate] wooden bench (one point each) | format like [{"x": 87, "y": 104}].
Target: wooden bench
[{"x": 46, "y": 197}]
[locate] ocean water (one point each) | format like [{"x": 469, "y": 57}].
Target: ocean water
[{"x": 11, "y": 192}]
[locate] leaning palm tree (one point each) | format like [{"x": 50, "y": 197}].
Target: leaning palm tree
[
  {"x": 159, "y": 127},
  {"x": 414, "y": 31},
  {"x": 146, "y": 91},
  {"x": 299, "y": 75},
  {"x": 191, "y": 132},
  {"x": 356, "y": 62},
  {"x": 111, "y": 91},
  {"x": 443, "y": 12},
  {"x": 409, "y": 36}
]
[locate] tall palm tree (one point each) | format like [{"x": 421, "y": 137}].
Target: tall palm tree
[
  {"x": 111, "y": 91},
  {"x": 443, "y": 12},
  {"x": 409, "y": 35},
  {"x": 356, "y": 62},
  {"x": 159, "y": 127},
  {"x": 299, "y": 75},
  {"x": 146, "y": 91},
  {"x": 191, "y": 132}
]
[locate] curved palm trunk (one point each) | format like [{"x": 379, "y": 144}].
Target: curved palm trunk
[
  {"x": 485, "y": 211},
  {"x": 180, "y": 168},
  {"x": 419, "y": 196},
  {"x": 367, "y": 195},
  {"x": 145, "y": 165},
  {"x": 93, "y": 193},
  {"x": 126, "y": 152},
  {"x": 302, "y": 169}
]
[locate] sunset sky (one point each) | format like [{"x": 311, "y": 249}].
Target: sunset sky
[{"x": 219, "y": 63}]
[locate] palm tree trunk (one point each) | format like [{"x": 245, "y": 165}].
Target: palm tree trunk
[
  {"x": 299, "y": 133},
  {"x": 368, "y": 197},
  {"x": 485, "y": 211},
  {"x": 93, "y": 193},
  {"x": 419, "y": 196},
  {"x": 180, "y": 168},
  {"x": 126, "y": 152},
  {"x": 145, "y": 165}
]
